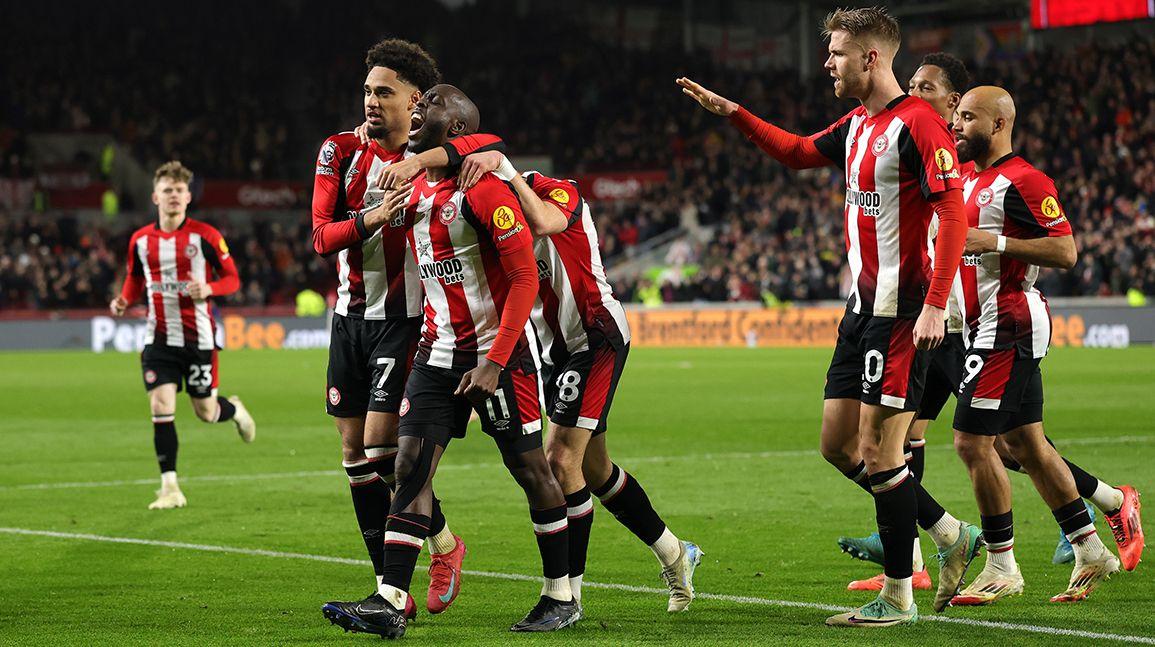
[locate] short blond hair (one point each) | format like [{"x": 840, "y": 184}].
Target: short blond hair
[
  {"x": 174, "y": 171},
  {"x": 873, "y": 23}
]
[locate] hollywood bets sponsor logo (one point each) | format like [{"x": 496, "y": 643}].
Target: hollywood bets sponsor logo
[
  {"x": 985, "y": 197},
  {"x": 334, "y": 396},
  {"x": 449, "y": 271},
  {"x": 543, "y": 271},
  {"x": 972, "y": 260},
  {"x": 404, "y": 407},
  {"x": 869, "y": 201},
  {"x": 881, "y": 144},
  {"x": 448, "y": 213}
]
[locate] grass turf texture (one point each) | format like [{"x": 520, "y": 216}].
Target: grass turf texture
[{"x": 723, "y": 440}]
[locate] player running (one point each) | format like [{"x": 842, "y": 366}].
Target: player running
[
  {"x": 475, "y": 255},
  {"x": 900, "y": 170},
  {"x": 1016, "y": 225},
  {"x": 172, "y": 261},
  {"x": 376, "y": 319},
  {"x": 940, "y": 80}
]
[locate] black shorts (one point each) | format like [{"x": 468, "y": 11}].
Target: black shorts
[
  {"x": 512, "y": 416},
  {"x": 942, "y": 378},
  {"x": 191, "y": 368},
  {"x": 1000, "y": 391},
  {"x": 369, "y": 360},
  {"x": 580, "y": 390},
  {"x": 875, "y": 362}
]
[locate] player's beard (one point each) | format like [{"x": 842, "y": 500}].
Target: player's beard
[
  {"x": 376, "y": 132},
  {"x": 973, "y": 147}
]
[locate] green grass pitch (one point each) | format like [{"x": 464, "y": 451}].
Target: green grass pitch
[{"x": 724, "y": 441}]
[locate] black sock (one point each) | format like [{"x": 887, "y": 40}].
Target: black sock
[
  {"x": 1074, "y": 520},
  {"x": 858, "y": 475},
  {"x": 552, "y": 530},
  {"x": 580, "y": 514},
  {"x": 371, "y": 505},
  {"x": 437, "y": 520},
  {"x": 405, "y": 533},
  {"x": 228, "y": 409},
  {"x": 929, "y": 510},
  {"x": 917, "y": 462},
  {"x": 624, "y": 497},
  {"x": 164, "y": 441},
  {"x": 896, "y": 506},
  {"x": 999, "y": 531},
  {"x": 1085, "y": 483}
]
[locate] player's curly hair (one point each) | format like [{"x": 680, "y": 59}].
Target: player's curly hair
[
  {"x": 956, "y": 71},
  {"x": 174, "y": 171},
  {"x": 873, "y": 22},
  {"x": 411, "y": 63}
]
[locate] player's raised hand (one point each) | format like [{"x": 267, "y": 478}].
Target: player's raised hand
[
  {"x": 399, "y": 172},
  {"x": 476, "y": 165},
  {"x": 362, "y": 132},
  {"x": 199, "y": 290},
  {"x": 117, "y": 306},
  {"x": 711, "y": 101},
  {"x": 480, "y": 384},
  {"x": 930, "y": 328}
]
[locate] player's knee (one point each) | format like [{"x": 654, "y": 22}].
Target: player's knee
[
  {"x": 563, "y": 461},
  {"x": 971, "y": 448},
  {"x": 205, "y": 409}
]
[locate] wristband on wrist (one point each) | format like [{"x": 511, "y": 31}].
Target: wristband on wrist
[
  {"x": 505, "y": 170},
  {"x": 1001, "y": 244}
]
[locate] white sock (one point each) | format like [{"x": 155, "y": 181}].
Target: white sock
[
  {"x": 575, "y": 587},
  {"x": 168, "y": 482},
  {"x": 1107, "y": 498},
  {"x": 441, "y": 543},
  {"x": 898, "y": 592},
  {"x": 556, "y": 588},
  {"x": 944, "y": 532},
  {"x": 919, "y": 565},
  {"x": 667, "y": 548},
  {"x": 1087, "y": 549},
  {"x": 394, "y": 596},
  {"x": 1003, "y": 560}
]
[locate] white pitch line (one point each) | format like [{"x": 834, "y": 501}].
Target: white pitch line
[
  {"x": 450, "y": 466},
  {"x": 736, "y": 599}
]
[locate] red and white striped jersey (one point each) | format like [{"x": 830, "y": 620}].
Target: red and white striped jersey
[
  {"x": 894, "y": 161},
  {"x": 458, "y": 239},
  {"x": 575, "y": 308},
  {"x": 1001, "y": 307},
  {"x": 376, "y": 275},
  {"x": 162, "y": 265}
]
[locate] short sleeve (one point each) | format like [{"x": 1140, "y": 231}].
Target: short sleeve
[
  {"x": 560, "y": 193},
  {"x": 1033, "y": 204},
  {"x": 928, "y": 152},
  {"x": 498, "y": 213}
]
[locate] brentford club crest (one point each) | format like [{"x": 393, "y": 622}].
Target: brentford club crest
[
  {"x": 404, "y": 407},
  {"x": 985, "y": 197},
  {"x": 150, "y": 376},
  {"x": 881, "y": 143},
  {"x": 448, "y": 213},
  {"x": 334, "y": 396},
  {"x": 191, "y": 251}
]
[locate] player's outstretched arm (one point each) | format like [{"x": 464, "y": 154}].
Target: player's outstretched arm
[
  {"x": 794, "y": 151},
  {"x": 452, "y": 153}
]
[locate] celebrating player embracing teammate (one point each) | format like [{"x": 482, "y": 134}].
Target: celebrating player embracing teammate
[{"x": 379, "y": 301}]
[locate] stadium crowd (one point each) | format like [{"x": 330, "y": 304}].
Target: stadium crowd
[{"x": 1085, "y": 117}]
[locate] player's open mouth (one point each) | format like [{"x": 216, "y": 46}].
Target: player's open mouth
[
  {"x": 373, "y": 117},
  {"x": 416, "y": 121}
]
